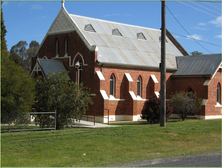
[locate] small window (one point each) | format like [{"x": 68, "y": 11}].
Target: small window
[
  {"x": 189, "y": 90},
  {"x": 66, "y": 46},
  {"x": 218, "y": 94},
  {"x": 112, "y": 85},
  {"x": 89, "y": 28},
  {"x": 116, "y": 32},
  {"x": 141, "y": 36},
  {"x": 139, "y": 84},
  {"x": 57, "y": 47}
]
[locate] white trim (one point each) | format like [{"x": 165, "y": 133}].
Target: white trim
[
  {"x": 211, "y": 117},
  {"x": 132, "y": 95},
  {"x": 218, "y": 105},
  {"x": 207, "y": 82},
  {"x": 138, "y": 98},
  {"x": 204, "y": 102},
  {"x": 154, "y": 79},
  {"x": 157, "y": 94},
  {"x": 104, "y": 95},
  {"x": 128, "y": 76},
  {"x": 100, "y": 75},
  {"x": 217, "y": 70},
  {"x": 112, "y": 98}
]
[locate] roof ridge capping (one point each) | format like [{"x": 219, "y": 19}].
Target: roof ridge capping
[{"x": 113, "y": 22}]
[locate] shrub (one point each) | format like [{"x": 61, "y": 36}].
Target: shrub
[
  {"x": 151, "y": 111},
  {"x": 184, "y": 103}
]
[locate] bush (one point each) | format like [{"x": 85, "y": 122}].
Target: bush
[
  {"x": 69, "y": 99},
  {"x": 184, "y": 103},
  {"x": 151, "y": 111}
]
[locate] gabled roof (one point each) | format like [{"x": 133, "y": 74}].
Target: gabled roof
[
  {"x": 201, "y": 65},
  {"x": 117, "y": 43},
  {"x": 49, "y": 66}
]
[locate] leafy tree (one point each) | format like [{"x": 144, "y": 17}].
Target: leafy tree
[
  {"x": 33, "y": 47},
  {"x": 17, "y": 89},
  {"x": 3, "y": 32},
  {"x": 23, "y": 56},
  {"x": 184, "y": 103},
  {"x": 196, "y": 53},
  {"x": 69, "y": 99},
  {"x": 151, "y": 111}
]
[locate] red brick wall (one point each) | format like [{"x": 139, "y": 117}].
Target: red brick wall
[{"x": 212, "y": 95}]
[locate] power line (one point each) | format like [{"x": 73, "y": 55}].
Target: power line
[
  {"x": 212, "y": 5},
  {"x": 187, "y": 31},
  {"x": 197, "y": 40},
  {"x": 205, "y": 7},
  {"x": 197, "y": 9}
]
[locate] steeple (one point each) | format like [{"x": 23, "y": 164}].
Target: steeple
[{"x": 63, "y": 3}]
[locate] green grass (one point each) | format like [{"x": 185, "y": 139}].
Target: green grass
[{"x": 131, "y": 142}]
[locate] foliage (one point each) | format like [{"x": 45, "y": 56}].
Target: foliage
[
  {"x": 17, "y": 89},
  {"x": 196, "y": 53},
  {"x": 151, "y": 111},
  {"x": 3, "y": 32},
  {"x": 23, "y": 56},
  {"x": 69, "y": 99},
  {"x": 184, "y": 103}
]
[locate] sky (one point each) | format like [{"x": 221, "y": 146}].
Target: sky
[{"x": 195, "y": 25}]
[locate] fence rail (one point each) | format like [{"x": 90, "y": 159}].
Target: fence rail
[{"x": 32, "y": 113}]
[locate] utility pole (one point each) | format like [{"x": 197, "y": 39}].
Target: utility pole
[{"x": 163, "y": 66}]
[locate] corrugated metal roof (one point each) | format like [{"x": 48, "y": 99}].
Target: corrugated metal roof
[
  {"x": 50, "y": 66},
  {"x": 201, "y": 65},
  {"x": 126, "y": 49}
]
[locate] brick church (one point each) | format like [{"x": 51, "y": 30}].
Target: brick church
[{"x": 120, "y": 63}]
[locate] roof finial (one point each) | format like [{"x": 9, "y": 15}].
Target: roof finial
[{"x": 63, "y": 2}]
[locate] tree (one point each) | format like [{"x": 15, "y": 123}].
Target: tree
[
  {"x": 151, "y": 111},
  {"x": 184, "y": 103},
  {"x": 23, "y": 56},
  {"x": 33, "y": 47},
  {"x": 17, "y": 89},
  {"x": 69, "y": 99},
  {"x": 3, "y": 32},
  {"x": 196, "y": 53}
]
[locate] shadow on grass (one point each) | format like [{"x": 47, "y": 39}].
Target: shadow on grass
[{"x": 144, "y": 122}]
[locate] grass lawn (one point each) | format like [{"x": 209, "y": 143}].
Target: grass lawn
[{"x": 130, "y": 142}]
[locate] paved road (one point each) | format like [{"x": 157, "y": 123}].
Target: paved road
[{"x": 208, "y": 160}]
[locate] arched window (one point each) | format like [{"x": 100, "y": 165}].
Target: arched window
[
  {"x": 57, "y": 47},
  {"x": 112, "y": 85},
  {"x": 66, "y": 46},
  {"x": 218, "y": 93},
  {"x": 190, "y": 92},
  {"x": 139, "y": 86}
]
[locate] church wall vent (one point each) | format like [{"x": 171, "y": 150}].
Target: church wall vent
[{"x": 89, "y": 28}]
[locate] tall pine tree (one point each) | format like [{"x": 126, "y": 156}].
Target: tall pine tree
[{"x": 3, "y": 32}]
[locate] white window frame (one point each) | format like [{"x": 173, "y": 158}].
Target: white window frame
[
  {"x": 113, "y": 80},
  {"x": 139, "y": 84}
]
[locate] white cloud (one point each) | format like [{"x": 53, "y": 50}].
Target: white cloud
[
  {"x": 216, "y": 22},
  {"x": 219, "y": 36},
  {"x": 108, "y": 15},
  {"x": 202, "y": 24},
  {"x": 200, "y": 28},
  {"x": 36, "y": 7},
  {"x": 195, "y": 36}
]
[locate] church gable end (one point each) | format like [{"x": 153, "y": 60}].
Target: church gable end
[{"x": 61, "y": 24}]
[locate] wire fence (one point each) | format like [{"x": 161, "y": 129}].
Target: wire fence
[{"x": 30, "y": 122}]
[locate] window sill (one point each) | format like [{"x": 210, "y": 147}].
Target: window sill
[
  {"x": 112, "y": 98},
  {"x": 218, "y": 105}
]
